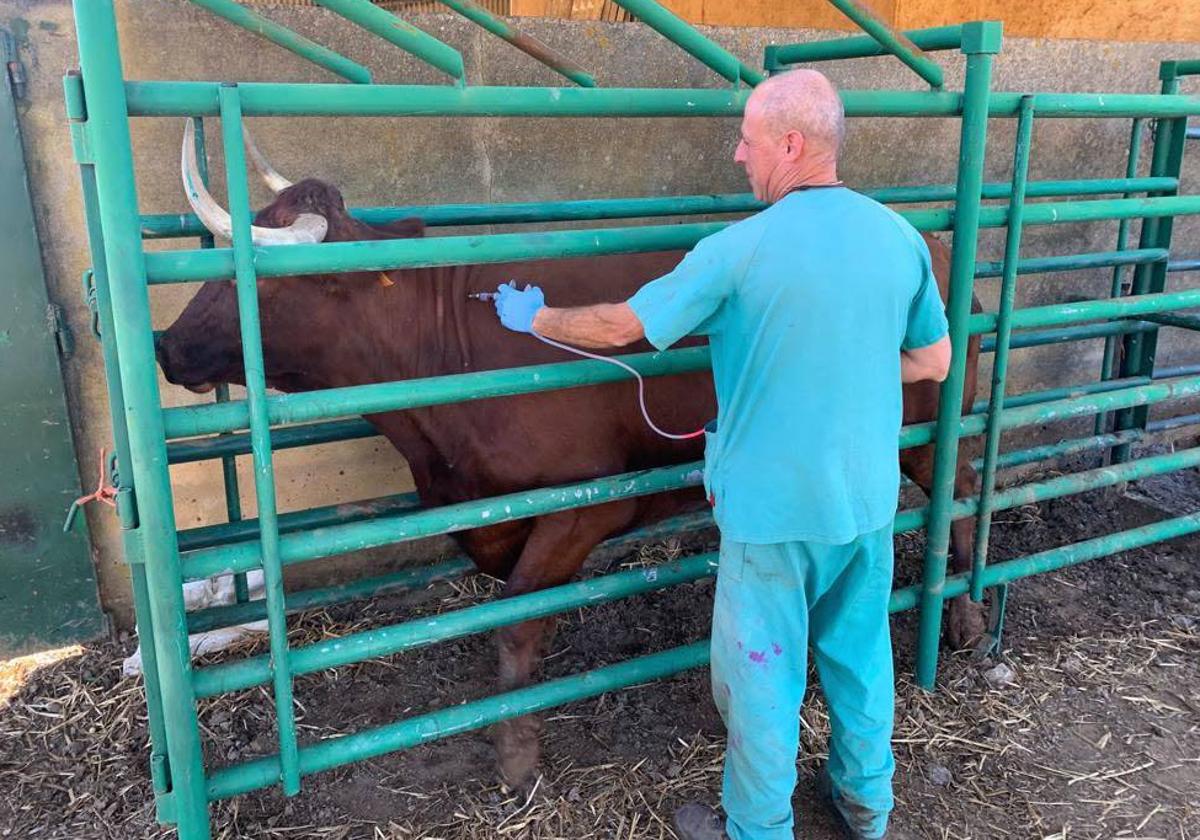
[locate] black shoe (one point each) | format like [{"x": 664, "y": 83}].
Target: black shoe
[{"x": 694, "y": 821}]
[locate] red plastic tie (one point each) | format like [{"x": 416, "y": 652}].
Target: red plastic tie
[{"x": 104, "y": 491}]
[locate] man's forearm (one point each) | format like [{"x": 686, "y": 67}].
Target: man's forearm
[{"x": 604, "y": 325}]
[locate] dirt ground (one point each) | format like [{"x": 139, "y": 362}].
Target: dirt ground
[{"x": 1090, "y": 730}]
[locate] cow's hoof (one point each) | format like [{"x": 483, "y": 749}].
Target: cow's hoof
[
  {"x": 517, "y": 751},
  {"x": 966, "y": 625}
]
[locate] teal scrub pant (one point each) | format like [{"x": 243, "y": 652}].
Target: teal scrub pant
[{"x": 772, "y": 602}]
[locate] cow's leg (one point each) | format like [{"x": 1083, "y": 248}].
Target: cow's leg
[
  {"x": 555, "y": 550},
  {"x": 966, "y": 623}
]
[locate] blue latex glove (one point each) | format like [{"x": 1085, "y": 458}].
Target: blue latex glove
[{"x": 517, "y": 307}]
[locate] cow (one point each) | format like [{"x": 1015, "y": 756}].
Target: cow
[{"x": 352, "y": 328}]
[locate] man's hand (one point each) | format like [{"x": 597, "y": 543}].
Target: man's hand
[{"x": 517, "y": 307}]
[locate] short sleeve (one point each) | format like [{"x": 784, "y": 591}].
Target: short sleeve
[
  {"x": 691, "y": 299},
  {"x": 926, "y": 312}
]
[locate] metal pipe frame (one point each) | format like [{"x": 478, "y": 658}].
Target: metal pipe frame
[
  {"x": 1118, "y": 283},
  {"x": 280, "y": 99},
  {"x": 101, "y": 116},
  {"x": 1008, "y": 296},
  {"x": 187, "y": 266},
  {"x": 778, "y": 57},
  {"x": 171, "y": 225}
]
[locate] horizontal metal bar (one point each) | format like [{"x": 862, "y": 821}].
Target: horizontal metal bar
[
  {"x": 1061, "y": 335},
  {"x": 1177, "y": 370},
  {"x": 1193, "y": 133},
  {"x": 253, "y": 22},
  {"x": 919, "y": 434},
  {"x": 1061, "y": 314},
  {"x": 184, "y": 266},
  {"x": 385, "y": 641},
  {"x": 1183, "y": 265},
  {"x": 285, "y": 437},
  {"x": 334, "y": 752},
  {"x": 265, "y": 99},
  {"x": 1035, "y": 397},
  {"x": 778, "y": 56},
  {"x": 383, "y": 255},
  {"x": 1186, "y": 67},
  {"x": 1168, "y": 424},
  {"x": 1075, "y": 262},
  {"x": 207, "y": 536},
  {"x": 464, "y": 516},
  {"x": 1059, "y": 486},
  {"x": 225, "y": 616},
  {"x": 406, "y": 579},
  {"x": 212, "y": 418},
  {"x": 1183, "y": 320},
  {"x": 166, "y": 225}
]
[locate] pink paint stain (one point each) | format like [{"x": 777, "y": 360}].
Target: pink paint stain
[
  {"x": 776, "y": 649},
  {"x": 759, "y": 656}
]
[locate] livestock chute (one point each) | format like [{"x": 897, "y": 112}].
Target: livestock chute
[{"x": 102, "y": 104}]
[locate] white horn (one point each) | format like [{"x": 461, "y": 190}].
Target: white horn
[
  {"x": 274, "y": 181},
  {"x": 308, "y": 227}
]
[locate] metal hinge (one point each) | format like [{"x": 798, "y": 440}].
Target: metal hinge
[
  {"x": 14, "y": 69},
  {"x": 56, "y": 322},
  {"x": 88, "y": 282}
]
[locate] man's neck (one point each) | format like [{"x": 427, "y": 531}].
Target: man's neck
[{"x": 815, "y": 174}]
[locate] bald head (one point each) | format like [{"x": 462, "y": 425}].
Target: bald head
[{"x": 803, "y": 101}]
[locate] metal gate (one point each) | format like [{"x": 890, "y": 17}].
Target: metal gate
[
  {"x": 101, "y": 103},
  {"x": 49, "y": 597}
]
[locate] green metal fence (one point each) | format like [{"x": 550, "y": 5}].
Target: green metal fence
[{"x": 101, "y": 103}]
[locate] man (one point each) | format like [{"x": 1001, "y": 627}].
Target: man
[{"x": 816, "y": 310}]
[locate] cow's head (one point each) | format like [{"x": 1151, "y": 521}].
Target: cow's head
[{"x": 299, "y": 316}]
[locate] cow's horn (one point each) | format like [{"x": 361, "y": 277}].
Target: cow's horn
[
  {"x": 274, "y": 181},
  {"x": 308, "y": 227}
]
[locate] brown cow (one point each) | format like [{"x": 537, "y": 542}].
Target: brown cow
[{"x": 326, "y": 331}]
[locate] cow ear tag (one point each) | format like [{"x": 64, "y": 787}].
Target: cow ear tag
[{"x": 384, "y": 280}]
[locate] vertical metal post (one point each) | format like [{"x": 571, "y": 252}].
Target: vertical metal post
[
  {"x": 229, "y": 477},
  {"x": 260, "y": 431},
  {"x": 1110, "y": 342},
  {"x": 108, "y": 128},
  {"x": 1138, "y": 359},
  {"x": 980, "y": 42},
  {"x": 130, "y": 542},
  {"x": 1008, "y": 294}
]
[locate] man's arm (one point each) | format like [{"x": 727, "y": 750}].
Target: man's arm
[
  {"x": 600, "y": 326},
  {"x": 929, "y": 362}
]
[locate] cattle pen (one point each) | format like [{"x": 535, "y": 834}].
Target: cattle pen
[{"x": 148, "y": 438}]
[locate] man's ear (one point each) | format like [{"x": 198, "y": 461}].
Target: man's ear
[{"x": 794, "y": 144}]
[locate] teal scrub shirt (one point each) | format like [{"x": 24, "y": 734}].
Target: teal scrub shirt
[{"x": 806, "y": 305}]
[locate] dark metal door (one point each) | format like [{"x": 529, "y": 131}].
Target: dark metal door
[{"x": 48, "y": 595}]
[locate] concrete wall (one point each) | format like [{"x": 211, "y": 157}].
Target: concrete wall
[{"x": 389, "y": 161}]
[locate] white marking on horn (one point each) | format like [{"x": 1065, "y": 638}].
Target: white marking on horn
[{"x": 307, "y": 229}]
